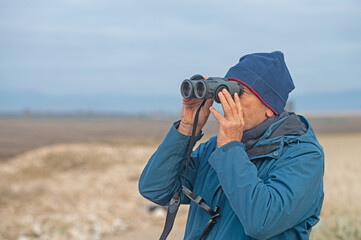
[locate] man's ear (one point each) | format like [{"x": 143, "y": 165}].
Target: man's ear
[{"x": 269, "y": 113}]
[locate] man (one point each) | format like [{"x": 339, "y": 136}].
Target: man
[{"x": 264, "y": 169}]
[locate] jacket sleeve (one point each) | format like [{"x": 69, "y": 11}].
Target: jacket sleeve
[
  {"x": 289, "y": 194},
  {"x": 163, "y": 174}
]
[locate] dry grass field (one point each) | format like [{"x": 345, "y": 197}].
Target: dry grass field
[{"x": 85, "y": 187}]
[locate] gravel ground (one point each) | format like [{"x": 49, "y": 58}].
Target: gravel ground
[{"x": 89, "y": 191}]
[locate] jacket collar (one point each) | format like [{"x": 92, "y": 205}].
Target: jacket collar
[{"x": 278, "y": 134}]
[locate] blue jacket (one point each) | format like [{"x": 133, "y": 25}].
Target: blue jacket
[{"x": 273, "y": 191}]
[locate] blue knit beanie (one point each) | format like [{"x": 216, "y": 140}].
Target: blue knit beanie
[{"x": 267, "y": 76}]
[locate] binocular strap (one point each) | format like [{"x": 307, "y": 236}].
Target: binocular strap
[
  {"x": 175, "y": 201},
  {"x": 171, "y": 214}
]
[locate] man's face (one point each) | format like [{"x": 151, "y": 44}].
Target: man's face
[{"x": 254, "y": 111}]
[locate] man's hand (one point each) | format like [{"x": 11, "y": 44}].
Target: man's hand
[
  {"x": 232, "y": 124},
  {"x": 189, "y": 110}
]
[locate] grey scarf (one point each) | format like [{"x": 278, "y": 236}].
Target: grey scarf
[{"x": 252, "y": 136}]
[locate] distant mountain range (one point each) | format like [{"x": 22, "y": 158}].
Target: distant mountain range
[
  {"x": 342, "y": 101},
  {"x": 22, "y": 101}
]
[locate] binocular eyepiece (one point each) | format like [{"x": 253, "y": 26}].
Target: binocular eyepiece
[{"x": 198, "y": 87}]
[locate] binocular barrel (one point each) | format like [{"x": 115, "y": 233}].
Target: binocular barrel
[{"x": 209, "y": 89}]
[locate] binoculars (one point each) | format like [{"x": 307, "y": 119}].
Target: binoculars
[{"x": 198, "y": 87}]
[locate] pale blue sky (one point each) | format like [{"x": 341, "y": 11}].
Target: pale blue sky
[{"x": 134, "y": 47}]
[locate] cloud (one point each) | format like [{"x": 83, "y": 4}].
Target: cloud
[{"x": 90, "y": 46}]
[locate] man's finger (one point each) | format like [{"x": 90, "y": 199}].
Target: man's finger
[
  {"x": 226, "y": 108},
  {"x": 231, "y": 103},
  {"x": 208, "y": 103},
  {"x": 239, "y": 107},
  {"x": 216, "y": 114}
]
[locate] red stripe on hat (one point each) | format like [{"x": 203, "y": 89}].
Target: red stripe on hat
[{"x": 255, "y": 93}]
